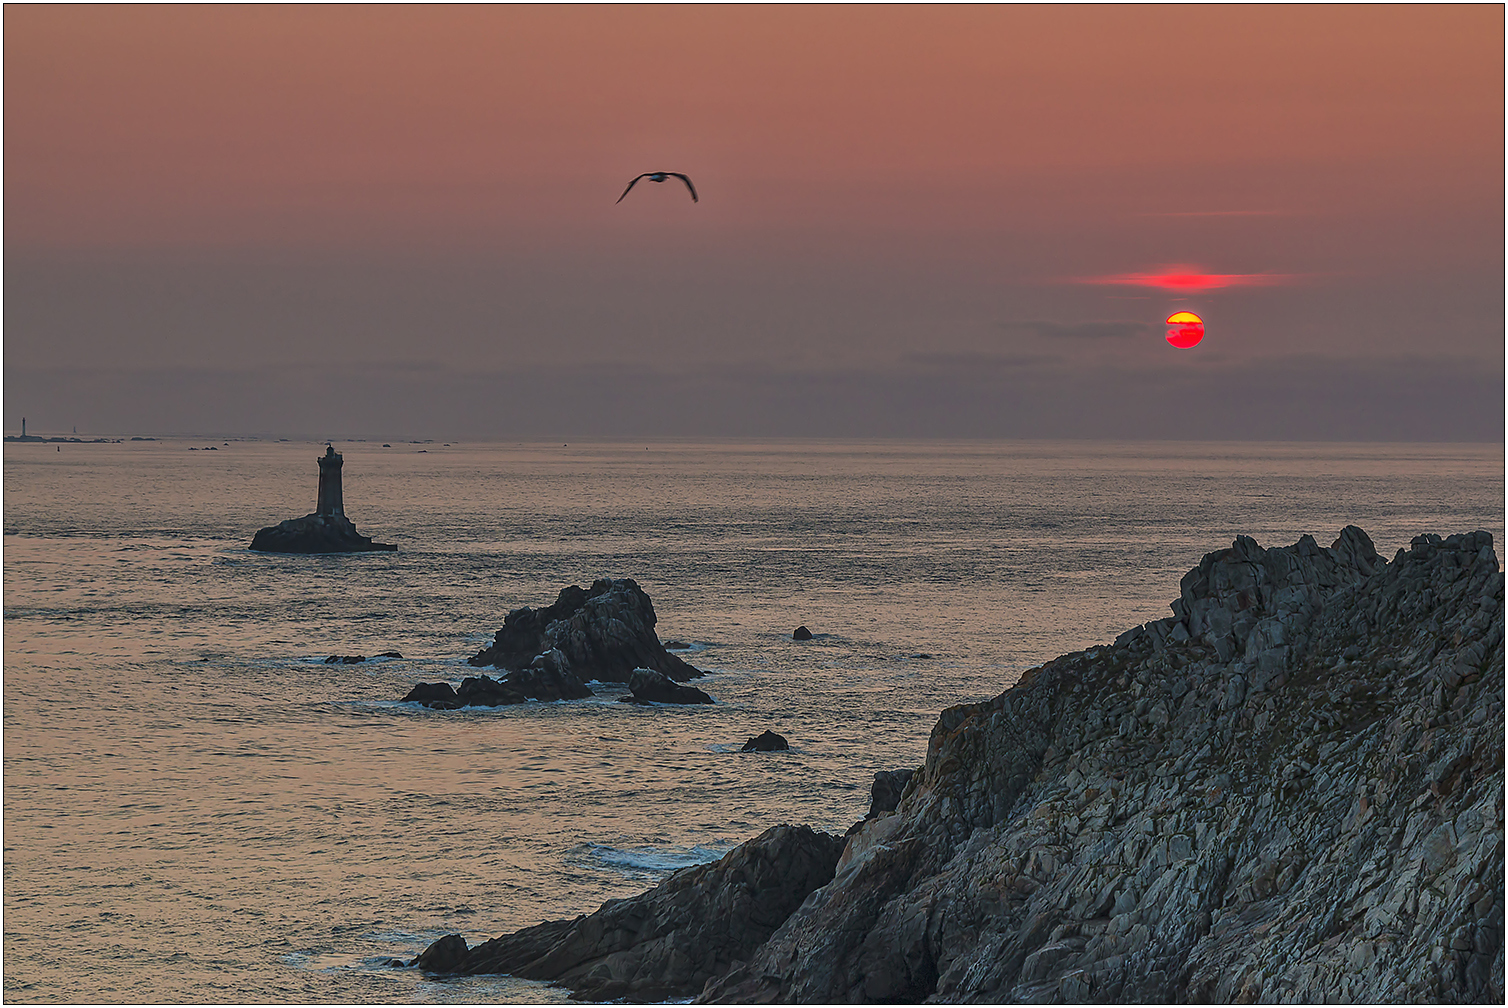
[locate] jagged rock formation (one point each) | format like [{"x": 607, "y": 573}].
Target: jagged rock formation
[
  {"x": 766, "y": 741},
  {"x": 316, "y": 533},
  {"x": 435, "y": 695},
  {"x": 649, "y": 686},
  {"x": 601, "y": 633},
  {"x": 1290, "y": 791},
  {"x": 669, "y": 941}
]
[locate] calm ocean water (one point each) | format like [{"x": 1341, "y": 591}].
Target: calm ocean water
[{"x": 197, "y": 808}]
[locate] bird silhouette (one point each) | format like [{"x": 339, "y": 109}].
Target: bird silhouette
[{"x": 661, "y": 176}]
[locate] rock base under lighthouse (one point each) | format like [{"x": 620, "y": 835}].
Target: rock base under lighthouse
[{"x": 316, "y": 533}]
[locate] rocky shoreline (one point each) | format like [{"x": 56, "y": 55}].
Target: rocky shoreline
[{"x": 1290, "y": 790}]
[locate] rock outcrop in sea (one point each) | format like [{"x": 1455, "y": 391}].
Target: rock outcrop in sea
[
  {"x": 1291, "y": 790},
  {"x": 649, "y": 686},
  {"x": 547, "y": 678},
  {"x": 767, "y": 741},
  {"x": 603, "y": 632},
  {"x": 316, "y": 533}
]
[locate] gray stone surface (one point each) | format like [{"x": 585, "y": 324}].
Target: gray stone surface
[{"x": 1292, "y": 790}]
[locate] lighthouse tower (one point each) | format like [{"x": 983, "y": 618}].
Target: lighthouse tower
[{"x": 330, "y": 502}]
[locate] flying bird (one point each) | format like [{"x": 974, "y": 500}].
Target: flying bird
[{"x": 661, "y": 176}]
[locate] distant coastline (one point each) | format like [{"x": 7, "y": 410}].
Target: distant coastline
[{"x": 72, "y": 440}]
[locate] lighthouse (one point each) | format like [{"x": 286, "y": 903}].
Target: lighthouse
[
  {"x": 327, "y": 530},
  {"x": 330, "y": 502}
]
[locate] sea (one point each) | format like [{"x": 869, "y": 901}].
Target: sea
[{"x": 197, "y": 807}]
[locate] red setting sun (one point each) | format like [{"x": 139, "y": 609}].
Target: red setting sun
[{"x": 1185, "y": 329}]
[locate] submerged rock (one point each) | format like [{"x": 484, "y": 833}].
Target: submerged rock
[
  {"x": 316, "y": 533},
  {"x": 766, "y": 742},
  {"x": 668, "y": 942},
  {"x": 649, "y": 686},
  {"x": 347, "y": 659},
  {"x": 602, "y": 633},
  {"x": 1290, "y": 791}
]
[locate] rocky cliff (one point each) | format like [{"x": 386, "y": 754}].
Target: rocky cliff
[{"x": 1291, "y": 790}]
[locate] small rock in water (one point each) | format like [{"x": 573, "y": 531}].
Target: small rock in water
[
  {"x": 444, "y": 955},
  {"x": 438, "y": 696},
  {"x": 349, "y": 659},
  {"x": 801, "y": 633},
  {"x": 650, "y": 686},
  {"x": 485, "y": 691},
  {"x": 768, "y": 742},
  {"x": 390, "y": 654},
  {"x": 675, "y": 645}
]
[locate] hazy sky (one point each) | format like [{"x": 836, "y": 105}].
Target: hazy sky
[{"x": 399, "y": 221}]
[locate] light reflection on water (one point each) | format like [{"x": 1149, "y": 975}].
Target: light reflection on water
[{"x": 198, "y": 808}]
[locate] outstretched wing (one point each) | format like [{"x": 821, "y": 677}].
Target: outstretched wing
[
  {"x": 631, "y": 185},
  {"x": 688, "y": 184}
]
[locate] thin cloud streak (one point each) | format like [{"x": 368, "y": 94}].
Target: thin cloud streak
[
  {"x": 1190, "y": 278},
  {"x": 1219, "y": 213}
]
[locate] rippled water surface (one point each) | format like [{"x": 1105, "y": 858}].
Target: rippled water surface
[{"x": 197, "y": 808}]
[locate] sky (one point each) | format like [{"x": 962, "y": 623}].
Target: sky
[{"x": 915, "y": 221}]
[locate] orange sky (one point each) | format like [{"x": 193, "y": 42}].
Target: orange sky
[
  {"x": 943, "y": 169},
  {"x": 226, "y": 125}
]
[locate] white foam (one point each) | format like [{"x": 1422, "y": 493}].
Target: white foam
[{"x": 635, "y": 861}]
